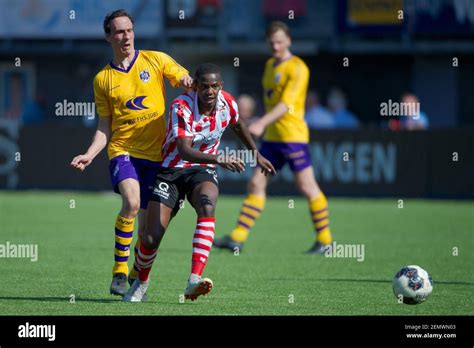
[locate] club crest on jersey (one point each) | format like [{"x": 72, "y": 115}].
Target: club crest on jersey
[
  {"x": 144, "y": 75},
  {"x": 277, "y": 78}
]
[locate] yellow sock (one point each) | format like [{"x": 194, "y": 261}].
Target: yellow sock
[
  {"x": 251, "y": 210},
  {"x": 123, "y": 238},
  {"x": 133, "y": 274},
  {"x": 320, "y": 216}
]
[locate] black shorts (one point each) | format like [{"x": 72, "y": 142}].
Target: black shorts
[{"x": 172, "y": 185}]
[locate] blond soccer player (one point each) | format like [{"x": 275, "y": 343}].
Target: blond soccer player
[
  {"x": 285, "y": 140},
  {"x": 130, "y": 100}
]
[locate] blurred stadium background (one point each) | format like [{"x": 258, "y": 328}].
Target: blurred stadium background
[
  {"x": 361, "y": 54},
  {"x": 50, "y": 51}
]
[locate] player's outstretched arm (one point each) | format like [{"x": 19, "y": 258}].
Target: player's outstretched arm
[
  {"x": 174, "y": 72},
  {"x": 189, "y": 154},
  {"x": 257, "y": 128},
  {"x": 241, "y": 130},
  {"x": 100, "y": 140},
  {"x": 186, "y": 82}
]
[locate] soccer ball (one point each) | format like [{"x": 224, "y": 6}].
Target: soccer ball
[{"x": 412, "y": 285}]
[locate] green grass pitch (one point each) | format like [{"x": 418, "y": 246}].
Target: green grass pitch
[{"x": 271, "y": 276}]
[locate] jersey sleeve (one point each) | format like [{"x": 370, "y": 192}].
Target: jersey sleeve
[
  {"x": 101, "y": 102},
  {"x": 297, "y": 84},
  {"x": 171, "y": 69},
  {"x": 181, "y": 119},
  {"x": 233, "y": 107}
]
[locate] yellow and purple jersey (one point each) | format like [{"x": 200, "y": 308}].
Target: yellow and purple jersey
[
  {"x": 286, "y": 82},
  {"x": 135, "y": 99}
]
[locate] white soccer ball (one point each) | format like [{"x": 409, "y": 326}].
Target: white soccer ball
[{"x": 412, "y": 285}]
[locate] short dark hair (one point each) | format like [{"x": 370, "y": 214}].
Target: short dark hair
[
  {"x": 206, "y": 68},
  {"x": 115, "y": 14},
  {"x": 273, "y": 27}
]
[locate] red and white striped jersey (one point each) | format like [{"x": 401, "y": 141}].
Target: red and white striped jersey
[{"x": 185, "y": 121}]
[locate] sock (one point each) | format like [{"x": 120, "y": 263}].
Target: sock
[
  {"x": 123, "y": 239},
  {"x": 251, "y": 210},
  {"x": 134, "y": 271},
  {"x": 202, "y": 243},
  {"x": 194, "y": 278},
  {"x": 320, "y": 216},
  {"x": 145, "y": 258}
]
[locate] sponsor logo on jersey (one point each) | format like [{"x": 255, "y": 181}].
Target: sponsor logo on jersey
[
  {"x": 163, "y": 186},
  {"x": 162, "y": 190},
  {"x": 213, "y": 173},
  {"x": 136, "y": 103}
]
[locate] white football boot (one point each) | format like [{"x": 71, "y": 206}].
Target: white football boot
[
  {"x": 194, "y": 290},
  {"x": 137, "y": 292}
]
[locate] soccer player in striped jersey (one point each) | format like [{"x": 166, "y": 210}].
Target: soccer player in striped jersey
[
  {"x": 130, "y": 100},
  {"x": 285, "y": 140},
  {"x": 196, "y": 123}
]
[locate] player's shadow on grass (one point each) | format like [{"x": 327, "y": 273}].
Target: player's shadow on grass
[
  {"x": 59, "y": 299},
  {"x": 366, "y": 281}
]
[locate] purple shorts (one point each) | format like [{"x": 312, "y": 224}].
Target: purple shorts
[
  {"x": 144, "y": 171},
  {"x": 279, "y": 153}
]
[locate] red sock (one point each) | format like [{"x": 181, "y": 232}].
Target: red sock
[
  {"x": 202, "y": 242},
  {"x": 145, "y": 260}
]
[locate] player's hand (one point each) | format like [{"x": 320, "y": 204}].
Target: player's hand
[
  {"x": 256, "y": 129},
  {"x": 232, "y": 163},
  {"x": 187, "y": 82},
  {"x": 81, "y": 162},
  {"x": 265, "y": 165}
]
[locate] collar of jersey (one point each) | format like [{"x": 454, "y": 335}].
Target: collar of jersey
[
  {"x": 274, "y": 65},
  {"x": 196, "y": 106},
  {"x": 129, "y": 67}
]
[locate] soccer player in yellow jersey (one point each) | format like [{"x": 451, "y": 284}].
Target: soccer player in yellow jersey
[
  {"x": 130, "y": 100},
  {"x": 285, "y": 140}
]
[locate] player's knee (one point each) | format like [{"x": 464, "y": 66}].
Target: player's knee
[
  {"x": 206, "y": 211},
  {"x": 151, "y": 241},
  {"x": 131, "y": 206},
  {"x": 207, "y": 206},
  {"x": 255, "y": 187},
  {"x": 308, "y": 189}
]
